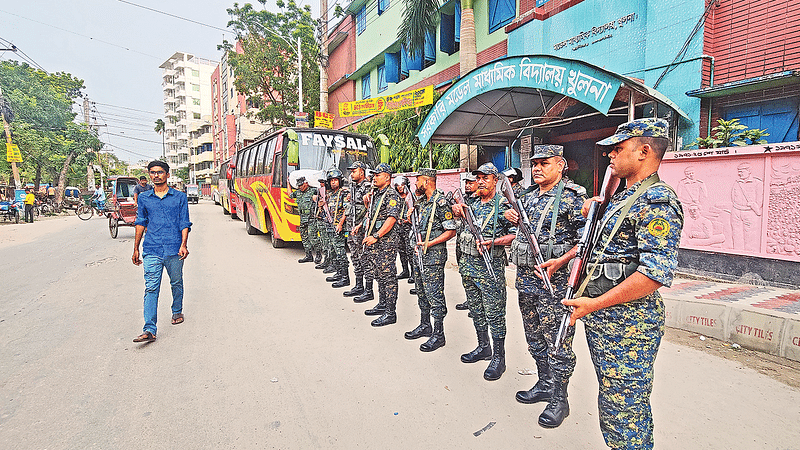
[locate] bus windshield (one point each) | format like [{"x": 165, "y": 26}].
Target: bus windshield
[{"x": 320, "y": 150}]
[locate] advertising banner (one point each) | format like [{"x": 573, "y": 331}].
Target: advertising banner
[{"x": 388, "y": 103}]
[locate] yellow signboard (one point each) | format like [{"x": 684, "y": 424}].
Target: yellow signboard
[
  {"x": 389, "y": 103},
  {"x": 323, "y": 119},
  {"x": 13, "y": 154}
]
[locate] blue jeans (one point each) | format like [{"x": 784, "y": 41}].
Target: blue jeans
[{"x": 153, "y": 270}]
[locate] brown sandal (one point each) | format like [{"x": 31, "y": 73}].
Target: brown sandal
[
  {"x": 177, "y": 318},
  {"x": 145, "y": 337}
]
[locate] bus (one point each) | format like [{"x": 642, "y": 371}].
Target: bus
[
  {"x": 227, "y": 193},
  {"x": 266, "y": 172}
]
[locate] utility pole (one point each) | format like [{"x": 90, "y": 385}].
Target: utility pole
[
  {"x": 323, "y": 64},
  {"x": 7, "y": 128},
  {"x": 89, "y": 168},
  {"x": 300, "y": 75}
]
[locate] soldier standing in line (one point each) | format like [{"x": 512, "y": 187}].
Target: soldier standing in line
[
  {"x": 635, "y": 254},
  {"x": 381, "y": 239},
  {"x": 486, "y": 296},
  {"x": 305, "y": 205},
  {"x": 402, "y": 185},
  {"x": 470, "y": 185},
  {"x": 336, "y": 205},
  {"x": 355, "y": 212},
  {"x": 554, "y": 211},
  {"x": 436, "y": 227},
  {"x": 314, "y": 230},
  {"x": 325, "y": 228}
]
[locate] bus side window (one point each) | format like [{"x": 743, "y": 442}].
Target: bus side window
[
  {"x": 259, "y": 159},
  {"x": 251, "y": 161},
  {"x": 277, "y": 165},
  {"x": 269, "y": 155}
]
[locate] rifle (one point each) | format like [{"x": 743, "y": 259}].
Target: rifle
[
  {"x": 324, "y": 199},
  {"x": 524, "y": 221},
  {"x": 415, "y": 233},
  {"x": 469, "y": 220},
  {"x": 584, "y": 248}
]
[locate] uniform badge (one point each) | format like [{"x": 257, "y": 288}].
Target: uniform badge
[
  {"x": 392, "y": 202},
  {"x": 658, "y": 227},
  {"x": 448, "y": 215}
]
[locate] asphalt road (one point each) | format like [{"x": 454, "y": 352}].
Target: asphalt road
[{"x": 271, "y": 357}]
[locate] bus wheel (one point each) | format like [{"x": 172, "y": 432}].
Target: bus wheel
[
  {"x": 251, "y": 230},
  {"x": 273, "y": 236}
]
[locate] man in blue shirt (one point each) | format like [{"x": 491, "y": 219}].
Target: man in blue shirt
[{"x": 164, "y": 213}]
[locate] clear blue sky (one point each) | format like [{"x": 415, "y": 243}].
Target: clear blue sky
[{"x": 116, "y": 49}]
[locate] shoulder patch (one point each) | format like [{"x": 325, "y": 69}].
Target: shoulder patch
[
  {"x": 448, "y": 215},
  {"x": 658, "y": 227},
  {"x": 392, "y": 202},
  {"x": 577, "y": 188}
]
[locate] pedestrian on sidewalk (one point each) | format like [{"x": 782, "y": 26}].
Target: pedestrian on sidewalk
[
  {"x": 30, "y": 200},
  {"x": 634, "y": 255},
  {"x": 163, "y": 219}
]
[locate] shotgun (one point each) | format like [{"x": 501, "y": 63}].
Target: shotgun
[
  {"x": 469, "y": 220},
  {"x": 415, "y": 233}
]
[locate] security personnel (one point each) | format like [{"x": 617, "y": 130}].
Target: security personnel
[
  {"x": 355, "y": 212},
  {"x": 486, "y": 296},
  {"x": 514, "y": 175},
  {"x": 305, "y": 205},
  {"x": 436, "y": 227},
  {"x": 336, "y": 204},
  {"x": 470, "y": 185},
  {"x": 381, "y": 240},
  {"x": 554, "y": 211},
  {"x": 635, "y": 254},
  {"x": 325, "y": 229},
  {"x": 403, "y": 187}
]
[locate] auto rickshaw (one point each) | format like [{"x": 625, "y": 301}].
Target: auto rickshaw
[
  {"x": 119, "y": 205},
  {"x": 192, "y": 193}
]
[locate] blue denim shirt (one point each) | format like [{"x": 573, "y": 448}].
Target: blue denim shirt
[{"x": 164, "y": 219}]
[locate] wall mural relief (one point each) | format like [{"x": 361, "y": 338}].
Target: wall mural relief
[{"x": 746, "y": 202}]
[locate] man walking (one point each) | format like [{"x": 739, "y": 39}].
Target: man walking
[
  {"x": 554, "y": 211},
  {"x": 436, "y": 227},
  {"x": 304, "y": 197},
  {"x": 163, "y": 213},
  {"x": 635, "y": 254},
  {"x": 140, "y": 187}
]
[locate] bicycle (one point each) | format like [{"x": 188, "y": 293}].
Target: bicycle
[{"x": 86, "y": 211}]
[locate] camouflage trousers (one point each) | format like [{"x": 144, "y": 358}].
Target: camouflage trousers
[
  {"x": 304, "y": 237},
  {"x": 541, "y": 317},
  {"x": 339, "y": 250},
  {"x": 314, "y": 236},
  {"x": 380, "y": 260},
  {"x": 429, "y": 284},
  {"x": 623, "y": 342},
  {"x": 354, "y": 242},
  {"x": 405, "y": 251},
  {"x": 486, "y": 299}
]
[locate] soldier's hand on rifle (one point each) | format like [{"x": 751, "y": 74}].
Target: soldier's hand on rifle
[
  {"x": 511, "y": 216},
  {"x": 408, "y": 216},
  {"x": 421, "y": 247},
  {"x": 551, "y": 265},
  {"x": 367, "y": 199},
  {"x": 369, "y": 240},
  {"x": 457, "y": 211},
  {"x": 356, "y": 228},
  {"x": 581, "y": 307},
  {"x": 339, "y": 226},
  {"x": 321, "y": 203},
  {"x": 588, "y": 203}
]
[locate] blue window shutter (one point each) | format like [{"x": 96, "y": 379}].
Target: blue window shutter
[
  {"x": 430, "y": 46},
  {"x": 365, "y": 90},
  {"x": 382, "y": 84},
  {"x": 361, "y": 19},
  {"x": 391, "y": 64},
  {"x": 414, "y": 63},
  {"x": 458, "y": 22},
  {"x": 403, "y": 61},
  {"x": 447, "y": 42},
  {"x": 501, "y": 12},
  {"x": 383, "y": 5}
]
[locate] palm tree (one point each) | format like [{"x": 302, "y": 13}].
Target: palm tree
[
  {"x": 421, "y": 16},
  {"x": 160, "y": 128}
]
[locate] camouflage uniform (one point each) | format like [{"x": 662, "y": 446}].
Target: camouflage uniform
[
  {"x": 338, "y": 240},
  {"x": 381, "y": 256},
  {"x": 305, "y": 206},
  {"x": 406, "y": 249},
  {"x": 355, "y": 211},
  {"x": 429, "y": 281},
  {"x": 541, "y": 311},
  {"x": 624, "y": 339}
]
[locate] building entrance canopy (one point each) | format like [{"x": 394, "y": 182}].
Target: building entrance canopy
[{"x": 494, "y": 104}]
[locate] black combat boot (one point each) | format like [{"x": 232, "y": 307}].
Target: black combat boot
[
  {"x": 389, "y": 317},
  {"x": 358, "y": 289},
  {"x": 378, "y": 310},
  {"x": 481, "y": 353},
  {"x": 367, "y": 295},
  {"x": 335, "y": 277},
  {"x": 424, "y": 327},
  {"x": 404, "y": 264},
  {"x": 437, "y": 338},
  {"x": 411, "y": 279},
  {"x": 558, "y": 408},
  {"x": 498, "y": 364},
  {"x": 330, "y": 267},
  {"x": 462, "y": 306},
  {"x": 542, "y": 391},
  {"x": 318, "y": 258},
  {"x": 344, "y": 280},
  {"x": 412, "y": 291},
  {"x": 323, "y": 263},
  {"x": 308, "y": 258}
]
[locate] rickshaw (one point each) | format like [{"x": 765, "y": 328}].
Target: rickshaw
[
  {"x": 10, "y": 210},
  {"x": 120, "y": 206},
  {"x": 192, "y": 193}
]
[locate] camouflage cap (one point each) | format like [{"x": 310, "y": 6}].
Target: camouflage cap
[
  {"x": 470, "y": 177},
  {"x": 427, "y": 172},
  {"x": 383, "y": 168},
  {"x": 547, "y": 151},
  {"x": 486, "y": 169},
  {"x": 514, "y": 174},
  {"x": 334, "y": 173},
  {"x": 649, "y": 127},
  {"x": 300, "y": 181},
  {"x": 358, "y": 165}
]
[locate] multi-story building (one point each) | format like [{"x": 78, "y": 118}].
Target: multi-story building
[
  {"x": 201, "y": 154},
  {"x": 187, "y": 99},
  {"x": 232, "y": 129}
]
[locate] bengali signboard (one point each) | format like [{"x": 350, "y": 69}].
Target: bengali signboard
[
  {"x": 12, "y": 153},
  {"x": 585, "y": 83},
  {"x": 388, "y": 103},
  {"x": 323, "y": 120},
  {"x": 301, "y": 119}
]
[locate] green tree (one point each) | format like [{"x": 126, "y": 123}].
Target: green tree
[
  {"x": 266, "y": 70},
  {"x": 160, "y": 129}
]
